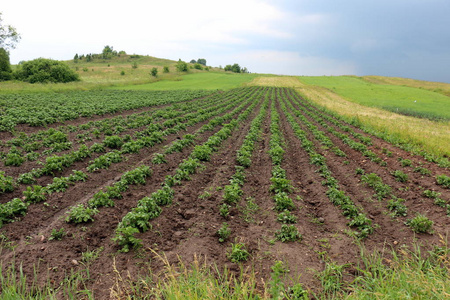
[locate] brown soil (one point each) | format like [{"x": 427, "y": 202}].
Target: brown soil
[{"x": 187, "y": 228}]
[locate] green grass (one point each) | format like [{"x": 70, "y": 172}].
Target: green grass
[
  {"x": 404, "y": 100},
  {"x": 202, "y": 81}
]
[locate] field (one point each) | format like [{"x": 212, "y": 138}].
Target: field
[
  {"x": 409, "y": 100},
  {"x": 114, "y": 193}
]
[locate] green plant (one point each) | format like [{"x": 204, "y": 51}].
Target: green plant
[
  {"x": 238, "y": 253},
  {"x": 396, "y": 206},
  {"x": 405, "y": 162},
  {"x": 359, "y": 171},
  {"x": 125, "y": 238},
  {"x": 57, "y": 234},
  {"x": 443, "y": 180},
  {"x": 283, "y": 202},
  {"x": 420, "y": 224},
  {"x": 286, "y": 217},
  {"x": 224, "y": 210},
  {"x": 81, "y": 214},
  {"x": 14, "y": 159},
  {"x": 6, "y": 183},
  {"x": 232, "y": 193},
  {"x": 35, "y": 194},
  {"x": 288, "y": 233},
  {"x": 113, "y": 141},
  {"x": 400, "y": 176},
  {"x": 223, "y": 232},
  {"x": 422, "y": 170},
  {"x": 89, "y": 256},
  {"x": 159, "y": 158},
  {"x": 100, "y": 199}
]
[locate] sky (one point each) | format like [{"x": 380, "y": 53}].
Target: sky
[{"x": 400, "y": 38}]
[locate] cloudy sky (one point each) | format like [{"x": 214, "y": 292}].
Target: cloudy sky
[{"x": 406, "y": 38}]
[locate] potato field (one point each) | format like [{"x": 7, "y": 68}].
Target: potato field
[{"x": 115, "y": 185}]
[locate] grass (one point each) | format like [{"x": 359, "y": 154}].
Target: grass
[
  {"x": 407, "y": 274},
  {"x": 204, "y": 81},
  {"x": 395, "y": 98}
]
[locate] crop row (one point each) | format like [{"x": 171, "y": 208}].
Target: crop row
[{"x": 40, "y": 109}]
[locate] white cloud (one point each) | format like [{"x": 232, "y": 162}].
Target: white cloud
[{"x": 291, "y": 63}]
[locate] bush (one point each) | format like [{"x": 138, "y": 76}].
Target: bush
[
  {"x": 45, "y": 70},
  {"x": 182, "y": 66},
  {"x": 154, "y": 72}
]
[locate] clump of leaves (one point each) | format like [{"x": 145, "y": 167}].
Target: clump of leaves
[
  {"x": 6, "y": 183},
  {"x": 232, "y": 193},
  {"x": 224, "y": 210},
  {"x": 81, "y": 214},
  {"x": 158, "y": 159},
  {"x": 420, "y": 224},
  {"x": 422, "y": 170},
  {"x": 283, "y": 202},
  {"x": 238, "y": 253},
  {"x": 125, "y": 238},
  {"x": 100, "y": 199},
  {"x": 288, "y": 233},
  {"x": 400, "y": 176},
  {"x": 113, "y": 141},
  {"x": 443, "y": 180},
  {"x": 223, "y": 233},
  {"x": 35, "y": 194},
  {"x": 405, "y": 162},
  {"x": 396, "y": 206},
  {"x": 57, "y": 234},
  {"x": 286, "y": 217}
]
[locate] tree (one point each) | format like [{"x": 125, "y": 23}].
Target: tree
[
  {"x": 5, "y": 66},
  {"x": 193, "y": 61},
  {"x": 9, "y": 36},
  {"x": 165, "y": 69},
  {"x": 236, "y": 68},
  {"x": 201, "y": 61},
  {"x": 8, "y": 40},
  {"x": 108, "y": 52}
]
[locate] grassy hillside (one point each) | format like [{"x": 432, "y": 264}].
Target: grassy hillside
[{"x": 206, "y": 81}]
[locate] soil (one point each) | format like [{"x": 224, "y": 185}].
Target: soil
[{"x": 186, "y": 230}]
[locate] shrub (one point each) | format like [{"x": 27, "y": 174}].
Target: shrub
[
  {"x": 154, "y": 72},
  {"x": 45, "y": 70}
]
